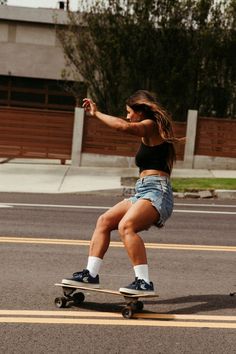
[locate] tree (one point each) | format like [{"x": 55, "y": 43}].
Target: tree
[
  {"x": 216, "y": 43},
  {"x": 184, "y": 50}
]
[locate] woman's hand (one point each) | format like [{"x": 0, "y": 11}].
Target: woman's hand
[{"x": 89, "y": 106}]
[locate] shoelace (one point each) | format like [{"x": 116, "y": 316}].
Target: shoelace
[
  {"x": 84, "y": 272},
  {"x": 137, "y": 282}
]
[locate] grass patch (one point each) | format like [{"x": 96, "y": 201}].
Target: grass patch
[{"x": 196, "y": 184}]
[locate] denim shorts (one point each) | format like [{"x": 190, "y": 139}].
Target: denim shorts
[{"x": 158, "y": 190}]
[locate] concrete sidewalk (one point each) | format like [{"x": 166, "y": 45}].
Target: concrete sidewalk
[{"x": 48, "y": 177}]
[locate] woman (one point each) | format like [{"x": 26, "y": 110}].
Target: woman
[{"x": 152, "y": 203}]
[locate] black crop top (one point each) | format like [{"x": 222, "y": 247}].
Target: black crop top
[{"x": 153, "y": 157}]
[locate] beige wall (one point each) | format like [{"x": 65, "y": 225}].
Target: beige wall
[
  {"x": 36, "y": 34},
  {"x": 31, "y": 61},
  {"x": 3, "y": 32},
  {"x": 28, "y": 43}
]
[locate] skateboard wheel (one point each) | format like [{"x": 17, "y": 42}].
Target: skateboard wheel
[
  {"x": 78, "y": 298},
  {"x": 127, "y": 312},
  {"x": 60, "y": 302},
  {"x": 139, "y": 305}
]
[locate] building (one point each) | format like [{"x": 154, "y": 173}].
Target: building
[
  {"x": 36, "y": 112},
  {"x": 31, "y": 59},
  {"x": 37, "y": 117}
]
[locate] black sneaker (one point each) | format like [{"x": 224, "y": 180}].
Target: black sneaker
[
  {"x": 83, "y": 279},
  {"x": 139, "y": 286}
]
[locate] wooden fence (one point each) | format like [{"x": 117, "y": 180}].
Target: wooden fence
[
  {"x": 47, "y": 134},
  {"x": 216, "y": 137},
  {"x": 100, "y": 139},
  {"x": 30, "y": 133}
]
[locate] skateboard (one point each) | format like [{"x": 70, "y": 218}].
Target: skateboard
[{"x": 133, "y": 304}]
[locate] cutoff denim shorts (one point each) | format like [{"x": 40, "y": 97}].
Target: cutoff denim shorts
[{"x": 158, "y": 190}]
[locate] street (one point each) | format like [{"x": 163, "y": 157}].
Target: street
[{"x": 45, "y": 238}]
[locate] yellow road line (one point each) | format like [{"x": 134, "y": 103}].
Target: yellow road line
[
  {"x": 44, "y": 241},
  {"x": 63, "y": 313},
  {"x": 55, "y": 241},
  {"x": 193, "y": 247},
  {"x": 185, "y": 317},
  {"x": 111, "y": 322},
  {"x": 58, "y": 313}
]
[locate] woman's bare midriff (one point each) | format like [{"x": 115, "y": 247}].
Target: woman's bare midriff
[{"x": 146, "y": 173}]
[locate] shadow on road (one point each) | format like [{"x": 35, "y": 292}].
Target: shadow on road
[
  {"x": 192, "y": 304},
  {"x": 200, "y": 303},
  {"x": 100, "y": 307}
]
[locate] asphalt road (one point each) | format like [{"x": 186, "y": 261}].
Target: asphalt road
[{"x": 192, "y": 264}]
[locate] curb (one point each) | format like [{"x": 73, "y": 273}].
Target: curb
[
  {"x": 202, "y": 194},
  {"x": 128, "y": 184},
  {"x": 225, "y": 194},
  {"x": 127, "y": 191}
]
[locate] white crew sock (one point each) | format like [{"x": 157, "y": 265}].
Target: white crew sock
[
  {"x": 141, "y": 272},
  {"x": 94, "y": 264}
]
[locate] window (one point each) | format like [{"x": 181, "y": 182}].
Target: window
[{"x": 39, "y": 93}]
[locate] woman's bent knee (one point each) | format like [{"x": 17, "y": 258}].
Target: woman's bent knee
[
  {"x": 125, "y": 228},
  {"x": 104, "y": 222}
]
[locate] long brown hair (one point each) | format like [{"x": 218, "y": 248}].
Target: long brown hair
[{"x": 146, "y": 102}]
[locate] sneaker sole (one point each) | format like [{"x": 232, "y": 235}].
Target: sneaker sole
[
  {"x": 136, "y": 292},
  {"x": 80, "y": 284}
]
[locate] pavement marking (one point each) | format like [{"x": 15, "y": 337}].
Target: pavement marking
[
  {"x": 54, "y": 206},
  {"x": 63, "y": 313},
  {"x": 117, "y": 322},
  {"x": 207, "y": 205},
  {"x": 191, "y": 247},
  {"x": 186, "y": 317},
  {"x": 58, "y": 313},
  {"x": 204, "y": 212},
  {"x": 48, "y": 241},
  {"x": 110, "y": 318},
  {"x": 11, "y": 205}
]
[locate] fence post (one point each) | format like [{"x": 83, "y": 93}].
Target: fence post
[
  {"x": 190, "y": 138},
  {"x": 77, "y": 136}
]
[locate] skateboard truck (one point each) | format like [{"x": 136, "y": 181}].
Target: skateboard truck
[
  {"x": 77, "y": 298},
  {"x": 133, "y": 304}
]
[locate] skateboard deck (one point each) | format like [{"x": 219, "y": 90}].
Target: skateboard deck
[{"x": 71, "y": 294}]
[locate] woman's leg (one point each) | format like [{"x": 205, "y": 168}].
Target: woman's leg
[
  {"x": 105, "y": 224},
  {"x": 99, "y": 244},
  {"x": 138, "y": 218}
]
